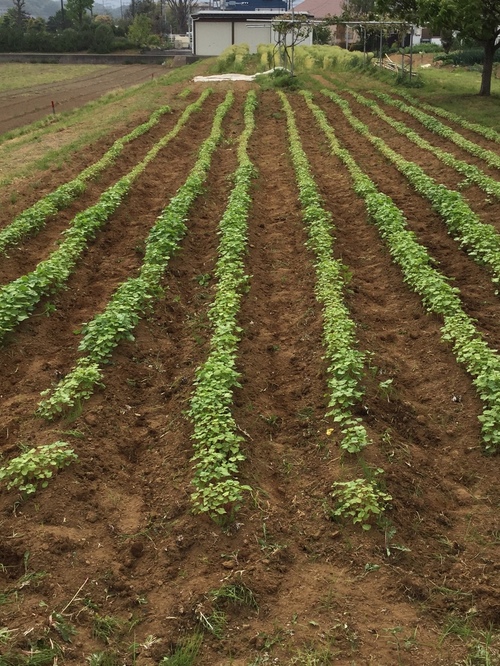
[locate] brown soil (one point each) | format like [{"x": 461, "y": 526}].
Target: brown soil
[{"x": 113, "y": 535}]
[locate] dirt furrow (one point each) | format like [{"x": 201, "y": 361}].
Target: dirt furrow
[
  {"x": 476, "y": 288},
  {"x": 30, "y": 251},
  {"x": 111, "y": 552},
  {"x": 111, "y": 258},
  {"x": 433, "y": 407},
  {"x": 22, "y": 110},
  {"x": 144, "y": 499},
  {"x": 487, "y": 207}
]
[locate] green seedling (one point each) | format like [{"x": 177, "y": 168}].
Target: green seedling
[
  {"x": 36, "y": 466},
  {"x": 185, "y": 652},
  {"x": 360, "y": 500}
]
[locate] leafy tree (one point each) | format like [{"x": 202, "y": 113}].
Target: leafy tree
[
  {"x": 322, "y": 34},
  {"x": 447, "y": 39},
  {"x": 362, "y": 10},
  {"x": 477, "y": 19},
  {"x": 407, "y": 10},
  {"x": 11, "y": 32},
  {"x": 77, "y": 10},
  {"x": 36, "y": 38},
  {"x": 473, "y": 19},
  {"x": 140, "y": 30},
  {"x": 36, "y": 25},
  {"x": 75, "y": 40},
  {"x": 149, "y": 8},
  {"x": 103, "y": 18},
  {"x": 58, "y": 22},
  {"x": 289, "y": 33},
  {"x": 103, "y": 38}
]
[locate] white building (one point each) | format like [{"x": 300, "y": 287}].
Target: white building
[{"x": 215, "y": 30}]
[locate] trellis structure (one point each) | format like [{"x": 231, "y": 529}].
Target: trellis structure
[{"x": 409, "y": 28}]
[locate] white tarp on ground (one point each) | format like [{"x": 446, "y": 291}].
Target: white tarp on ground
[{"x": 233, "y": 77}]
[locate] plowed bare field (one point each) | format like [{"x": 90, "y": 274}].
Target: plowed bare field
[
  {"x": 109, "y": 558},
  {"x": 23, "y": 106}
]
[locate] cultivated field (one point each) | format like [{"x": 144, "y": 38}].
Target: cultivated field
[
  {"x": 27, "y": 91},
  {"x": 285, "y": 303}
]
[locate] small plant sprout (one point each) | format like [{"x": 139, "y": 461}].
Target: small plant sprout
[
  {"x": 203, "y": 279},
  {"x": 386, "y": 389},
  {"x": 359, "y": 499},
  {"x": 214, "y": 622},
  {"x": 36, "y": 466},
  {"x": 234, "y": 593},
  {"x": 185, "y": 652}
]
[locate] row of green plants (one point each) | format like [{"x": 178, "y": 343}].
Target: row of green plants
[
  {"x": 345, "y": 360},
  {"x": 313, "y": 57},
  {"x": 487, "y": 132},
  {"x": 20, "y": 297},
  {"x": 217, "y": 442},
  {"x": 233, "y": 58},
  {"x": 465, "y": 57},
  {"x": 361, "y": 499},
  {"x": 438, "y": 296},
  {"x": 32, "y": 469},
  {"x": 471, "y": 172},
  {"x": 33, "y": 218},
  {"x": 436, "y": 126},
  {"x": 481, "y": 240},
  {"x": 134, "y": 296}
]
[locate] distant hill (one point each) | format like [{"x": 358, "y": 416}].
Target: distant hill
[
  {"x": 43, "y": 8},
  {"x": 46, "y": 8}
]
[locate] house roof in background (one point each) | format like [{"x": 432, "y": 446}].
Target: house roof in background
[{"x": 320, "y": 8}]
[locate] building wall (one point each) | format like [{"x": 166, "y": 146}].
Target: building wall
[
  {"x": 212, "y": 37},
  {"x": 251, "y": 36}
]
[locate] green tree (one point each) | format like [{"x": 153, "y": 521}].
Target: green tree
[
  {"x": 322, "y": 34},
  {"x": 77, "y": 10},
  {"x": 11, "y": 31},
  {"x": 289, "y": 31},
  {"x": 478, "y": 20},
  {"x": 140, "y": 30},
  {"x": 153, "y": 10},
  {"x": 475, "y": 19},
  {"x": 103, "y": 38},
  {"x": 58, "y": 22},
  {"x": 362, "y": 10}
]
